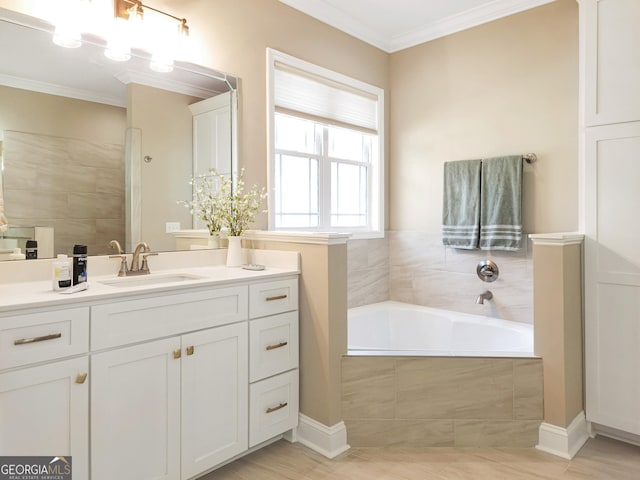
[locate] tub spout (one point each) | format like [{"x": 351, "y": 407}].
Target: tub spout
[{"x": 487, "y": 295}]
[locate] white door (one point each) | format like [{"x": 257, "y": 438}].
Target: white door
[
  {"x": 212, "y": 138},
  {"x": 215, "y": 379},
  {"x": 44, "y": 411},
  {"x": 612, "y": 276},
  {"x": 135, "y": 412}
]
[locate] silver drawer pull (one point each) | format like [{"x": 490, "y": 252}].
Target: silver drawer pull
[
  {"x": 277, "y": 345},
  {"x": 275, "y": 409},
  {"x": 24, "y": 341},
  {"x": 277, "y": 297}
]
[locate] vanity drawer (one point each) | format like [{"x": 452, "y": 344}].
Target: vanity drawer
[
  {"x": 143, "y": 319},
  {"x": 273, "y": 345},
  {"x": 39, "y": 337},
  {"x": 269, "y": 298},
  {"x": 273, "y": 407}
]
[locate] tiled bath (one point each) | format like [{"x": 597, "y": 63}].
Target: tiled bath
[
  {"x": 441, "y": 401},
  {"x": 414, "y": 267}
]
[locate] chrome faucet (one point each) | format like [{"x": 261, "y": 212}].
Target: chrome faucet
[{"x": 486, "y": 295}]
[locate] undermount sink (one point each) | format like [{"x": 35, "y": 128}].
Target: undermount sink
[{"x": 144, "y": 280}]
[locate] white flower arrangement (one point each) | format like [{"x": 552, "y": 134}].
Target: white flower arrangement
[{"x": 220, "y": 204}]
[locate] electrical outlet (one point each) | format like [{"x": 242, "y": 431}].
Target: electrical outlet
[{"x": 172, "y": 227}]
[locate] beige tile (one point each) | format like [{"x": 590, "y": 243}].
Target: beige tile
[
  {"x": 79, "y": 179},
  {"x": 446, "y": 388},
  {"x": 368, "y": 389},
  {"x": 420, "y": 433},
  {"x": 527, "y": 389},
  {"x": 21, "y": 204},
  {"x": 109, "y": 206},
  {"x": 367, "y": 433},
  {"x": 356, "y": 255},
  {"x": 367, "y": 286},
  {"x": 82, "y": 206},
  {"x": 110, "y": 180},
  {"x": 513, "y": 433}
]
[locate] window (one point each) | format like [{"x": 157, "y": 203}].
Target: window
[{"x": 326, "y": 162}]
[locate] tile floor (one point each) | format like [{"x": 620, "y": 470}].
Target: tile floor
[{"x": 600, "y": 459}]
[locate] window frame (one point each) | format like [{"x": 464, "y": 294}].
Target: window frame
[{"x": 375, "y": 217}]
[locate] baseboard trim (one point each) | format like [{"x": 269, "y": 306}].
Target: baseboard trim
[
  {"x": 327, "y": 441},
  {"x": 563, "y": 442},
  {"x": 614, "y": 433}
]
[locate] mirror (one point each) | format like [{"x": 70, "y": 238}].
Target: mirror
[{"x": 96, "y": 150}]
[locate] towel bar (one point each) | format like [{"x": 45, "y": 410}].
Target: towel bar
[{"x": 530, "y": 157}]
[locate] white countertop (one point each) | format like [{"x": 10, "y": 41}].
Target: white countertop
[{"x": 39, "y": 293}]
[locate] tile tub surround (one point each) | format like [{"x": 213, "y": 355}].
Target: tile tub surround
[
  {"x": 414, "y": 267},
  {"x": 423, "y": 272},
  {"x": 368, "y": 271},
  {"x": 441, "y": 401}
]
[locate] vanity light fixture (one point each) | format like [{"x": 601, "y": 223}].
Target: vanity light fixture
[
  {"x": 162, "y": 47},
  {"x": 162, "y": 33}
]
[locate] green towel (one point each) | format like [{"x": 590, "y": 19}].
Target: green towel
[
  {"x": 461, "y": 204},
  {"x": 501, "y": 211}
]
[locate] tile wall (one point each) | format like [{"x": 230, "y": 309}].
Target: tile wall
[
  {"x": 73, "y": 185},
  {"x": 436, "y": 401},
  {"x": 414, "y": 267}
]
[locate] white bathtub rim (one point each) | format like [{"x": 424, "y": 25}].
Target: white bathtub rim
[{"x": 453, "y": 316}]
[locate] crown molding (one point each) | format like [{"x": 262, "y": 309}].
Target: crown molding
[
  {"x": 53, "y": 89},
  {"x": 456, "y": 23},
  {"x": 337, "y": 18},
  {"x": 473, "y": 17}
]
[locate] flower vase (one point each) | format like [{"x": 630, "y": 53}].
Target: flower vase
[
  {"x": 234, "y": 251},
  {"x": 213, "y": 241}
]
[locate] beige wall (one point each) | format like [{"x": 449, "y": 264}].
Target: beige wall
[
  {"x": 40, "y": 113},
  {"x": 166, "y": 124},
  {"x": 507, "y": 87}
]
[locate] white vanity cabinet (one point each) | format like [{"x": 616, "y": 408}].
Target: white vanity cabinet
[
  {"x": 44, "y": 400},
  {"x": 170, "y": 408},
  {"x": 152, "y": 385},
  {"x": 273, "y": 338}
]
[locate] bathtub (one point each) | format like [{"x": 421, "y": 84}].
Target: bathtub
[{"x": 394, "y": 328}]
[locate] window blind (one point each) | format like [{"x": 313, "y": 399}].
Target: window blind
[{"x": 319, "y": 98}]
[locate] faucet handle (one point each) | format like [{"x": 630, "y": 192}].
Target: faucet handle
[
  {"x": 123, "y": 264},
  {"x": 145, "y": 264}
]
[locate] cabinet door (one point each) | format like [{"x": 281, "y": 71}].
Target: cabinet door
[
  {"x": 44, "y": 410},
  {"x": 612, "y": 276},
  {"x": 215, "y": 379},
  {"x": 135, "y": 412},
  {"x": 612, "y": 60}
]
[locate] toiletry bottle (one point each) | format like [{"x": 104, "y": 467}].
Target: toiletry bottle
[
  {"x": 79, "y": 264},
  {"x": 16, "y": 255},
  {"x": 31, "y": 250},
  {"x": 61, "y": 272}
]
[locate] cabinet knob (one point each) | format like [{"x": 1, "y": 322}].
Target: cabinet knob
[
  {"x": 81, "y": 378},
  {"x": 190, "y": 350},
  {"x": 177, "y": 353}
]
